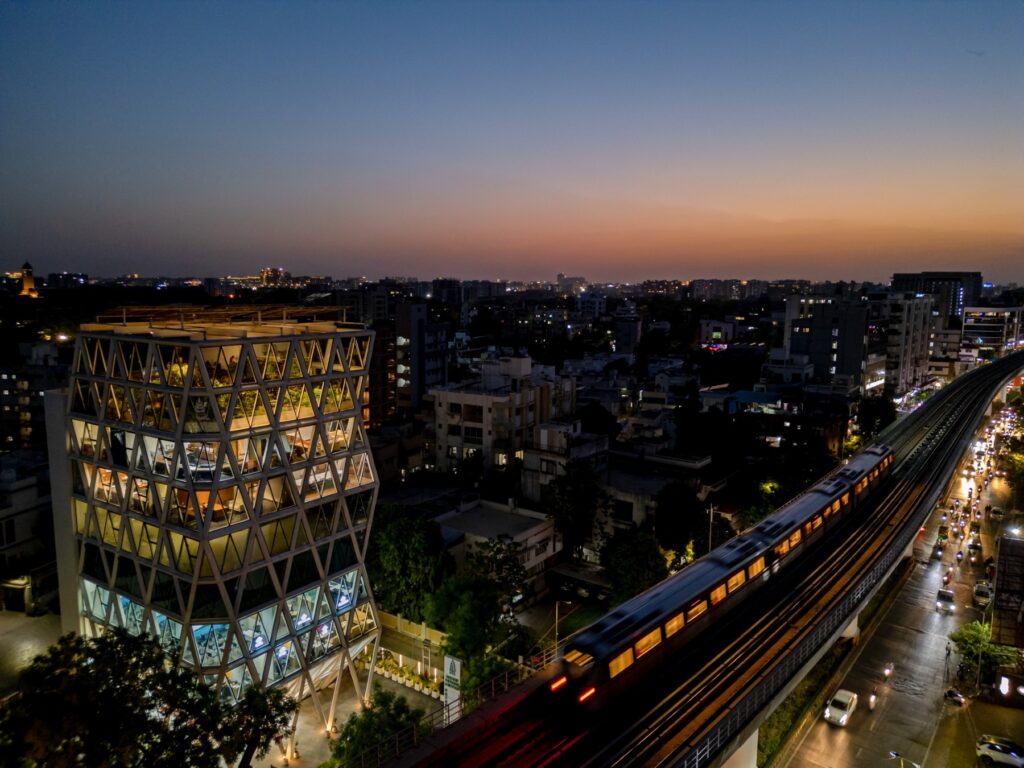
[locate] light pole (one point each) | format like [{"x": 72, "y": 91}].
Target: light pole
[
  {"x": 557, "y": 603},
  {"x": 711, "y": 519}
]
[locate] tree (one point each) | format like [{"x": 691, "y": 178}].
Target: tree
[
  {"x": 263, "y": 716},
  {"x": 633, "y": 562},
  {"x": 467, "y": 610},
  {"x": 114, "y": 701},
  {"x": 681, "y": 518},
  {"x": 387, "y": 715},
  {"x": 573, "y": 500},
  {"x": 974, "y": 644},
  {"x": 497, "y": 561},
  {"x": 875, "y": 414},
  {"x": 110, "y": 701},
  {"x": 406, "y": 561}
]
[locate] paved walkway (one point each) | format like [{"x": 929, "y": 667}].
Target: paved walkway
[{"x": 22, "y": 638}]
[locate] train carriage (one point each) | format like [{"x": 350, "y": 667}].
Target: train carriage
[{"x": 630, "y": 641}]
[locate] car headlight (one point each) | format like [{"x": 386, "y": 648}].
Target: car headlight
[
  {"x": 938, "y": 604},
  {"x": 842, "y": 720},
  {"x": 828, "y": 713}
]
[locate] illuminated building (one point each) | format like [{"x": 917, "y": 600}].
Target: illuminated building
[
  {"x": 28, "y": 282},
  {"x": 216, "y": 492}
]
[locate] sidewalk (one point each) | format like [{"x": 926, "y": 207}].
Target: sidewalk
[{"x": 312, "y": 744}]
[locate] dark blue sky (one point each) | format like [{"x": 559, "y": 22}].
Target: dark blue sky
[{"x": 621, "y": 141}]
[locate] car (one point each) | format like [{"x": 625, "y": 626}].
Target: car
[
  {"x": 953, "y": 696},
  {"x": 945, "y": 601},
  {"x": 982, "y": 593},
  {"x": 943, "y": 536},
  {"x": 996, "y": 750},
  {"x": 840, "y": 707},
  {"x": 974, "y": 551}
]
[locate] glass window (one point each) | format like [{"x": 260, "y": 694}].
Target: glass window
[
  {"x": 648, "y": 641},
  {"x": 737, "y": 580},
  {"x": 755, "y": 568},
  {"x": 718, "y": 594},
  {"x": 696, "y": 609},
  {"x": 673, "y": 625},
  {"x": 578, "y": 657},
  {"x": 620, "y": 663}
]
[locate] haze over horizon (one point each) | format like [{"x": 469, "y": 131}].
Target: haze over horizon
[{"x": 516, "y": 140}]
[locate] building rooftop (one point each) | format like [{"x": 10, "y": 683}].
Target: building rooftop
[
  {"x": 213, "y": 323},
  {"x": 489, "y": 522}
]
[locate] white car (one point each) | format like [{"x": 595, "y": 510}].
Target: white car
[
  {"x": 840, "y": 707},
  {"x": 995, "y": 750}
]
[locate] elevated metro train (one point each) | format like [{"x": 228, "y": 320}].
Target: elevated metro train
[{"x": 631, "y": 640}]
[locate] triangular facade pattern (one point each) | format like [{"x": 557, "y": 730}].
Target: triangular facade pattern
[{"x": 222, "y": 488}]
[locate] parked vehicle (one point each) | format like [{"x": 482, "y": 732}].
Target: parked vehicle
[
  {"x": 996, "y": 750},
  {"x": 982, "y": 593}
]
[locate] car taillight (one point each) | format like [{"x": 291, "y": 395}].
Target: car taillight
[
  {"x": 587, "y": 694},
  {"x": 559, "y": 683}
]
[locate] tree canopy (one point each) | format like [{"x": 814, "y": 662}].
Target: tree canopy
[
  {"x": 573, "y": 500},
  {"x": 497, "y": 561},
  {"x": 633, "y": 562},
  {"x": 387, "y": 715},
  {"x": 974, "y": 644},
  {"x": 406, "y": 561},
  {"x": 113, "y": 701}
]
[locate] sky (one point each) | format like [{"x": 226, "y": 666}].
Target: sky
[{"x": 620, "y": 141}]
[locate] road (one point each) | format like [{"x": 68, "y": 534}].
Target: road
[{"x": 911, "y": 717}]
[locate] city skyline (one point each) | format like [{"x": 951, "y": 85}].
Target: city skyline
[{"x": 827, "y": 141}]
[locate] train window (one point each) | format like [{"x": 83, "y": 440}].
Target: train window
[
  {"x": 578, "y": 657},
  {"x": 718, "y": 594},
  {"x": 737, "y": 580},
  {"x": 874, "y": 473},
  {"x": 620, "y": 663},
  {"x": 755, "y": 568},
  {"x": 673, "y": 625},
  {"x": 808, "y": 528},
  {"x": 817, "y": 521},
  {"x": 695, "y": 610},
  {"x": 648, "y": 641},
  {"x": 835, "y": 506},
  {"x": 846, "y": 498},
  {"x": 794, "y": 539},
  {"x": 782, "y": 548}
]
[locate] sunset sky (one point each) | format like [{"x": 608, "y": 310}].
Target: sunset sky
[{"x": 841, "y": 140}]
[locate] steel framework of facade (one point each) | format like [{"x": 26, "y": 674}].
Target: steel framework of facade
[{"x": 221, "y": 492}]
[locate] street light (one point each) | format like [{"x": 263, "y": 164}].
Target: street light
[
  {"x": 557, "y": 603},
  {"x": 903, "y": 761}
]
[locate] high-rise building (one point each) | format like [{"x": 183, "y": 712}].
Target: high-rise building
[
  {"x": 906, "y": 320},
  {"x": 213, "y": 486},
  {"x": 952, "y": 291},
  {"x": 992, "y": 331},
  {"x": 831, "y": 333}
]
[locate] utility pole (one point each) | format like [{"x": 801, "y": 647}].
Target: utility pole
[{"x": 711, "y": 519}]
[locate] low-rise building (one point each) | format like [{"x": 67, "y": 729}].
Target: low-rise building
[{"x": 495, "y": 415}]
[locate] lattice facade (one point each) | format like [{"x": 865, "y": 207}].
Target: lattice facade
[{"x": 221, "y": 491}]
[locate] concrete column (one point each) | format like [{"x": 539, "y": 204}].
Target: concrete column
[
  {"x": 745, "y": 756},
  {"x": 852, "y": 630}
]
